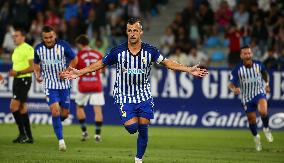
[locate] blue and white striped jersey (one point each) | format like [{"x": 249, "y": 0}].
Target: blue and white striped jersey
[
  {"x": 132, "y": 83},
  {"x": 52, "y": 61},
  {"x": 249, "y": 80}
]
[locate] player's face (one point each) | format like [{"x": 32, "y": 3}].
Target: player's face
[
  {"x": 134, "y": 32},
  {"x": 246, "y": 54},
  {"x": 49, "y": 38},
  {"x": 18, "y": 38}
]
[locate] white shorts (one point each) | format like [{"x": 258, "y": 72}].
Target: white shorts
[{"x": 82, "y": 99}]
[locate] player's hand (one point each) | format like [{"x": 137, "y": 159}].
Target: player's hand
[
  {"x": 71, "y": 74},
  {"x": 12, "y": 73},
  {"x": 237, "y": 91},
  {"x": 267, "y": 89},
  {"x": 197, "y": 71},
  {"x": 39, "y": 79}
]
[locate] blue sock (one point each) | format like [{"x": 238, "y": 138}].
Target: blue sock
[
  {"x": 142, "y": 140},
  {"x": 253, "y": 129},
  {"x": 265, "y": 121},
  {"x": 57, "y": 126},
  {"x": 83, "y": 124}
]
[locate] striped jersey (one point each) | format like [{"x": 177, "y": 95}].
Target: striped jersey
[
  {"x": 249, "y": 80},
  {"x": 132, "y": 83},
  {"x": 52, "y": 61}
]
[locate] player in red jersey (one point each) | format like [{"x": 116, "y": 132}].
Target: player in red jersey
[{"x": 90, "y": 87}]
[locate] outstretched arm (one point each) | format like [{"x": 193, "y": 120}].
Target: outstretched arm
[
  {"x": 265, "y": 77},
  {"x": 234, "y": 89},
  {"x": 74, "y": 73},
  {"x": 194, "y": 70}
]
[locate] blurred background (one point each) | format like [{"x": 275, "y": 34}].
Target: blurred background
[{"x": 189, "y": 31}]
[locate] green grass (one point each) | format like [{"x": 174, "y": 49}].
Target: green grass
[{"x": 166, "y": 145}]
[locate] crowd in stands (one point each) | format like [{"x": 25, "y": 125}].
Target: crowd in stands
[
  {"x": 214, "y": 31},
  {"x": 104, "y": 21},
  {"x": 209, "y": 32}
]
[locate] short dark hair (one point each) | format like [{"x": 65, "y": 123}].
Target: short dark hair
[
  {"x": 245, "y": 47},
  {"x": 133, "y": 20},
  {"x": 47, "y": 29},
  {"x": 82, "y": 39},
  {"x": 21, "y": 30}
]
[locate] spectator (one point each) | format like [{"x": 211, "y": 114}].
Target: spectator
[
  {"x": 133, "y": 9},
  {"x": 271, "y": 60},
  {"x": 196, "y": 56},
  {"x": 223, "y": 15},
  {"x": 8, "y": 43},
  {"x": 167, "y": 41},
  {"x": 35, "y": 29},
  {"x": 260, "y": 32},
  {"x": 145, "y": 8},
  {"x": 205, "y": 18},
  {"x": 256, "y": 52},
  {"x": 255, "y": 13},
  {"x": 179, "y": 56},
  {"x": 234, "y": 36},
  {"x": 241, "y": 16}
]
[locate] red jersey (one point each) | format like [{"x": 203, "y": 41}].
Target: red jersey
[{"x": 90, "y": 82}]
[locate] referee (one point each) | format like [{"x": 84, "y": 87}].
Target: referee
[{"x": 22, "y": 59}]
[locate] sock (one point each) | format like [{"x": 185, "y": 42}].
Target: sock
[
  {"x": 265, "y": 121},
  {"x": 83, "y": 125},
  {"x": 63, "y": 118},
  {"x": 26, "y": 122},
  {"x": 98, "y": 127},
  {"x": 19, "y": 121},
  {"x": 253, "y": 129},
  {"x": 142, "y": 140},
  {"x": 57, "y": 126}
]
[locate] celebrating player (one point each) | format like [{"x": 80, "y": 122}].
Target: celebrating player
[
  {"x": 90, "y": 87},
  {"x": 53, "y": 56},
  {"x": 247, "y": 79},
  {"x": 132, "y": 94}
]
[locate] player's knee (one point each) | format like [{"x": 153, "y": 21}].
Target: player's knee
[
  {"x": 132, "y": 129},
  {"x": 55, "y": 112}
]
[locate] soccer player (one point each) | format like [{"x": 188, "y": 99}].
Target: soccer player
[
  {"x": 90, "y": 87},
  {"x": 247, "y": 79},
  {"x": 53, "y": 56},
  {"x": 22, "y": 59},
  {"x": 132, "y": 94}
]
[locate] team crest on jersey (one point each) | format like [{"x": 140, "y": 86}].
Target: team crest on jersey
[
  {"x": 57, "y": 51},
  {"x": 257, "y": 70},
  {"x": 144, "y": 60}
]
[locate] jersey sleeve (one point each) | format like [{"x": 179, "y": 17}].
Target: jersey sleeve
[
  {"x": 262, "y": 67},
  {"x": 110, "y": 58},
  {"x": 30, "y": 52},
  {"x": 68, "y": 52},
  {"x": 36, "y": 57},
  {"x": 234, "y": 78},
  {"x": 157, "y": 56}
]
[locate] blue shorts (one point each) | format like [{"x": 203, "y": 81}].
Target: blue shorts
[
  {"x": 143, "y": 109},
  {"x": 251, "y": 106},
  {"x": 62, "y": 96}
]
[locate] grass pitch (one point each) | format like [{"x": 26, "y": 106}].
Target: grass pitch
[{"x": 166, "y": 145}]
